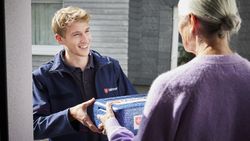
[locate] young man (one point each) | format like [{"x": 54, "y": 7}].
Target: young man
[{"x": 65, "y": 88}]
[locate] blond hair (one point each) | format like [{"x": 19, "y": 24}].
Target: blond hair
[
  {"x": 216, "y": 16},
  {"x": 65, "y": 16}
]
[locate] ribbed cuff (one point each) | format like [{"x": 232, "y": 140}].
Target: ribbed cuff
[{"x": 111, "y": 126}]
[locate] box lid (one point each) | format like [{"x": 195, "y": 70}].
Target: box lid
[{"x": 123, "y": 102}]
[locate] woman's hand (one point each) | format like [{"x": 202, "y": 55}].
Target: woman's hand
[{"x": 103, "y": 118}]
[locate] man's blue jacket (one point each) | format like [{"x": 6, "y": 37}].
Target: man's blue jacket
[{"x": 55, "y": 91}]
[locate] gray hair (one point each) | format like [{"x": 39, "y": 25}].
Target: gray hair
[{"x": 216, "y": 16}]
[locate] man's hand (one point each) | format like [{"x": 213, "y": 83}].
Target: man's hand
[{"x": 79, "y": 112}]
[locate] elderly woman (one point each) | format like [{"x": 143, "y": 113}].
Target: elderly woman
[{"x": 208, "y": 98}]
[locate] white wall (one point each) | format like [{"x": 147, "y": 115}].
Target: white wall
[{"x": 19, "y": 66}]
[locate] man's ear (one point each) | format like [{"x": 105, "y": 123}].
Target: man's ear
[{"x": 59, "y": 38}]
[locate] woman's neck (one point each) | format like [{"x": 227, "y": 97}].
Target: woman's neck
[{"x": 216, "y": 47}]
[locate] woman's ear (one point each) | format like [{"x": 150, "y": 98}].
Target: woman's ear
[
  {"x": 59, "y": 38},
  {"x": 194, "y": 23},
  {"x": 190, "y": 34}
]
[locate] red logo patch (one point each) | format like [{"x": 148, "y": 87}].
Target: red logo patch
[
  {"x": 106, "y": 90},
  {"x": 138, "y": 120}
]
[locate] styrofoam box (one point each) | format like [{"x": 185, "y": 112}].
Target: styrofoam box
[{"x": 128, "y": 110}]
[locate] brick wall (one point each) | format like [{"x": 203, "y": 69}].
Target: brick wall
[{"x": 150, "y": 37}]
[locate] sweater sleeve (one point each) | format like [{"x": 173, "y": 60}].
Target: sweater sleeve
[
  {"x": 163, "y": 110},
  {"x": 115, "y": 132}
]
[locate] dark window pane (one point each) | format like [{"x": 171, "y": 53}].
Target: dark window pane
[{"x": 42, "y": 14}]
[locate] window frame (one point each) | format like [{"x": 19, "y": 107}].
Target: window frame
[{"x": 175, "y": 39}]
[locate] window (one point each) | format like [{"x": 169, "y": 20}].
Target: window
[
  {"x": 175, "y": 40},
  {"x": 43, "y": 42}
]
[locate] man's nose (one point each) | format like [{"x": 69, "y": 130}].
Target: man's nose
[{"x": 84, "y": 37}]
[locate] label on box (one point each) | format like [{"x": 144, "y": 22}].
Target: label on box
[{"x": 137, "y": 121}]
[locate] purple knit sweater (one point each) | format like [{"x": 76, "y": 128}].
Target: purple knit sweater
[{"x": 207, "y": 99}]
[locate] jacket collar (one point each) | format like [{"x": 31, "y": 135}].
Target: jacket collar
[
  {"x": 99, "y": 60},
  {"x": 59, "y": 65}
]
